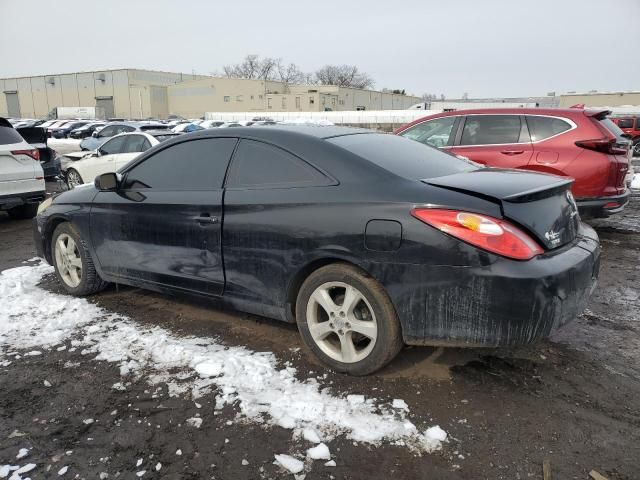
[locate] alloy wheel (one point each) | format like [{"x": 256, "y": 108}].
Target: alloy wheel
[
  {"x": 73, "y": 179},
  {"x": 68, "y": 260},
  {"x": 342, "y": 322}
]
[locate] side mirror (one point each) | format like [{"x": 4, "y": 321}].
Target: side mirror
[
  {"x": 108, "y": 182},
  {"x": 99, "y": 152},
  {"x": 94, "y": 134}
]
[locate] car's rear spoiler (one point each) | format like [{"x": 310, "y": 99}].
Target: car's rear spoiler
[{"x": 597, "y": 114}]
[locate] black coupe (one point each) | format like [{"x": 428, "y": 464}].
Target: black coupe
[{"x": 368, "y": 241}]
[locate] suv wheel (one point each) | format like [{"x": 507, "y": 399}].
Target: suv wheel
[
  {"x": 23, "y": 212},
  {"x": 73, "y": 264},
  {"x": 636, "y": 148},
  {"x": 347, "y": 320}
]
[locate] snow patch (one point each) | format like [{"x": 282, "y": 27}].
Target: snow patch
[
  {"x": 290, "y": 463},
  {"x": 254, "y": 382},
  {"x": 635, "y": 183},
  {"x": 319, "y": 452}
]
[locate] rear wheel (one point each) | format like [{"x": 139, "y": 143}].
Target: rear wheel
[
  {"x": 73, "y": 264},
  {"x": 73, "y": 178},
  {"x": 347, "y": 320},
  {"x": 23, "y": 212},
  {"x": 636, "y": 148}
]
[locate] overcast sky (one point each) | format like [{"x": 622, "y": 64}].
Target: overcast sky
[{"x": 483, "y": 47}]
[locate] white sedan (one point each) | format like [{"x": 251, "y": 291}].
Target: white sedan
[{"x": 112, "y": 155}]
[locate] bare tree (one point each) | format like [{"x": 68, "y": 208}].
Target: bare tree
[
  {"x": 343, "y": 76},
  {"x": 428, "y": 97},
  {"x": 253, "y": 67},
  {"x": 291, "y": 73}
]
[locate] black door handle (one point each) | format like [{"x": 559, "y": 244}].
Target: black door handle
[{"x": 206, "y": 219}]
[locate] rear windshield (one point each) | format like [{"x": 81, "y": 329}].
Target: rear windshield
[
  {"x": 613, "y": 128},
  {"x": 9, "y": 136},
  {"x": 403, "y": 157}
]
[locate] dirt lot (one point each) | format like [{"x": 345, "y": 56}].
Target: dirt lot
[{"x": 573, "y": 401}]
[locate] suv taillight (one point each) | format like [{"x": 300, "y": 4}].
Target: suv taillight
[
  {"x": 604, "y": 145},
  {"x": 482, "y": 231},
  {"x": 35, "y": 153}
]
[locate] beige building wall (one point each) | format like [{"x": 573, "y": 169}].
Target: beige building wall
[
  {"x": 615, "y": 99},
  {"x": 192, "y": 98}
]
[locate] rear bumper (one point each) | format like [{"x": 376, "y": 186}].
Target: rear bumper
[
  {"x": 505, "y": 303},
  {"x": 603, "y": 206},
  {"x": 17, "y": 199}
]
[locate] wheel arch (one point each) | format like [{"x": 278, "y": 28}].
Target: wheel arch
[
  {"x": 303, "y": 273},
  {"x": 47, "y": 235}
]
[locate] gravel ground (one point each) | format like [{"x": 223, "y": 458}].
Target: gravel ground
[{"x": 573, "y": 400}]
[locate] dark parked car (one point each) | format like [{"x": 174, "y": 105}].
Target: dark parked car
[
  {"x": 368, "y": 241},
  {"x": 581, "y": 144},
  {"x": 48, "y": 158},
  {"x": 67, "y": 128},
  {"x": 86, "y": 130}
]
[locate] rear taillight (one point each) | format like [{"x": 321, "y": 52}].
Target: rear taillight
[
  {"x": 604, "y": 145},
  {"x": 487, "y": 233},
  {"x": 35, "y": 153}
]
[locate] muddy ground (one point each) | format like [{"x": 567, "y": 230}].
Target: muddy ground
[{"x": 573, "y": 400}]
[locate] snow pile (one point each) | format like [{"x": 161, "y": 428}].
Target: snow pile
[
  {"x": 263, "y": 391},
  {"x": 635, "y": 183}
]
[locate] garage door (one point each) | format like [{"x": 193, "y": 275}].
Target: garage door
[
  {"x": 13, "y": 104},
  {"x": 106, "y": 103}
]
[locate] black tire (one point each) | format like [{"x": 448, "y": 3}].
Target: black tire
[
  {"x": 389, "y": 335},
  {"x": 23, "y": 212},
  {"x": 636, "y": 148},
  {"x": 90, "y": 281}
]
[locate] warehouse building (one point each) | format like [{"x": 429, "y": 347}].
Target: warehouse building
[
  {"x": 126, "y": 93},
  {"x": 191, "y": 98},
  {"x": 600, "y": 99},
  {"x": 139, "y": 94}
]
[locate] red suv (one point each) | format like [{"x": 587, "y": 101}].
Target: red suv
[
  {"x": 630, "y": 126},
  {"x": 583, "y": 144}
]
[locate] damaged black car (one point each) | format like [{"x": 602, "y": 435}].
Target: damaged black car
[{"x": 367, "y": 241}]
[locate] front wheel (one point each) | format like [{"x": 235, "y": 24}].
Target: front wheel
[
  {"x": 73, "y": 263},
  {"x": 73, "y": 178},
  {"x": 636, "y": 148},
  {"x": 347, "y": 320}
]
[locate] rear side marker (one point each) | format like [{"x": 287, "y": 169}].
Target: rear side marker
[{"x": 487, "y": 233}]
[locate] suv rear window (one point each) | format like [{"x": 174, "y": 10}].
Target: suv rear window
[
  {"x": 613, "y": 128},
  {"x": 403, "y": 157},
  {"x": 625, "y": 123},
  {"x": 9, "y": 136},
  {"x": 545, "y": 127}
]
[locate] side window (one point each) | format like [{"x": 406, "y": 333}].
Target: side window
[
  {"x": 113, "y": 146},
  {"x": 257, "y": 164},
  {"x": 434, "y": 132},
  {"x": 491, "y": 130},
  {"x": 545, "y": 127},
  {"x": 193, "y": 165},
  {"x": 124, "y": 129},
  {"x": 107, "y": 131},
  {"x": 136, "y": 143}
]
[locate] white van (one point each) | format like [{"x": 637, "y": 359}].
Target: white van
[{"x": 21, "y": 176}]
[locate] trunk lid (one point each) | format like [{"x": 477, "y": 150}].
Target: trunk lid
[
  {"x": 36, "y": 136},
  {"x": 541, "y": 204}
]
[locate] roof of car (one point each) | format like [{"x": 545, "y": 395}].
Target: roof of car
[{"x": 317, "y": 131}]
